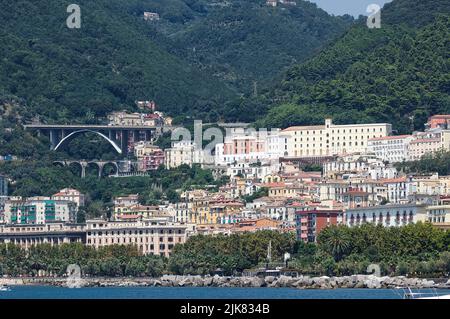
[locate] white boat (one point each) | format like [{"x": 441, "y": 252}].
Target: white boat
[
  {"x": 423, "y": 295},
  {"x": 5, "y": 288}
]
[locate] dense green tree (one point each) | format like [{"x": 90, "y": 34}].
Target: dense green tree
[
  {"x": 335, "y": 241},
  {"x": 396, "y": 74}
]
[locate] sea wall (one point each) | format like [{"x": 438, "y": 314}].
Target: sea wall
[{"x": 302, "y": 282}]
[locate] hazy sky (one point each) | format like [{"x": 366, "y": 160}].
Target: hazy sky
[{"x": 353, "y": 7}]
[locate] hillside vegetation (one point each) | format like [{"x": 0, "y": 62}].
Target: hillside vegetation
[
  {"x": 397, "y": 74},
  {"x": 67, "y": 75}
]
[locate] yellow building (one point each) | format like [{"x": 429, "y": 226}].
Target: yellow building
[
  {"x": 331, "y": 139},
  {"x": 122, "y": 211},
  {"x": 437, "y": 215}
]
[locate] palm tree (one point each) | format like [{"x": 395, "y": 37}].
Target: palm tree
[{"x": 335, "y": 240}]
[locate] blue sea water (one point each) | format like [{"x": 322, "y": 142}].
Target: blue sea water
[{"x": 50, "y": 292}]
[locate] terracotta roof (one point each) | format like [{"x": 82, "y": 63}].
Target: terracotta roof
[
  {"x": 279, "y": 184},
  {"x": 440, "y": 116},
  {"x": 393, "y": 180}
]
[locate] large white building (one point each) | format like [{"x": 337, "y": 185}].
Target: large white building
[
  {"x": 70, "y": 194},
  {"x": 386, "y": 215},
  {"x": 390, "y": 148},
  {"x": 331, "y": 139}
]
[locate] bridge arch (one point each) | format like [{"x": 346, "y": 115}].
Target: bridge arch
[
  {"x": 110, "y": 164},
  {"x": 116, "y": 147}
]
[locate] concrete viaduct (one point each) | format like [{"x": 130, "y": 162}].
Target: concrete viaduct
[{"x": 120, "y": 167}]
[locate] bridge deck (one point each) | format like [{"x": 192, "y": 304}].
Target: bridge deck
[{"x": 87, "y": 126}]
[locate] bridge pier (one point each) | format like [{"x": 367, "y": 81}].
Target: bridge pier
[
  {"x": 83, "y": 169},
  {"x": 124, "y": 141},
  {"x": 100, "y": 169},
  {"x": 54, "y": 140}
]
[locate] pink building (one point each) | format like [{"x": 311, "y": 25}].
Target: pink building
[
  {"x": 436, "y": 121},
  {"x": 152, "y": 161}
]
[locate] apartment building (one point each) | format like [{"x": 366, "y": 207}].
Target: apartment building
[
  {"x": 155, "y": 237},
  {"x": 358, "y": 164},
  {"x": 309, "y": 223},
  {"x": 398, "y": 189},
  {"x": 122, "y": 212},
  {"x": 356, "y": 192},
  {"x": 134, "y": 119},
  {"x": 385, "y": 215},
  {"x": 424, "y": 146},
  {"x": 150, "y": 157},
  {"x": 70, "y": 194},
  {"x": 129, "y": 200},
  {"x": 183, "y": 152},
  {"x": 390, "y": 148},
  {"x": 437, "y": 214},
  {"x": 431, "y": 184},
  {"x": 438, "y": 121},
  {"x": 331, "y": 139},
  {"x": 249, "y": 146},
  {"x": 252, "y": 171},
  {"x": 39, "y": 210}
]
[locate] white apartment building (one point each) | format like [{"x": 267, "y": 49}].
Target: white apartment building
[
  {"x": 156, "y": 237},
  {"x": 183, "y": 152},
  {"x": 39, "y": 210},
  {"x": 341, "y": 191},
  {"x": 70, "y": 194},
  {"x": 252, "y": 171},
  {"x": 134, "y": 119},
  {"x": 398, "y": 189},
  {"x": 182, "y": 211},
  {"x": 331, "y": 139},
  {"x": 129, "y": 200},
  {"x": 385, "y": 215},
  {"x": 390, "y": 148},
  {"x": 358, "y": 165}
]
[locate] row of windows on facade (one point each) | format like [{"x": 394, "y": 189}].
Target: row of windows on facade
[
  {"x": 136, "y": 232},
  {"x": 332, "y": 144},
  {"x": 337, "y": 138},
  {"x": 149, "y": 247},
  {"x": 381, "y": 215},
  {"x": 338, "y": 131},
  {"x": 394, "y": 143}
]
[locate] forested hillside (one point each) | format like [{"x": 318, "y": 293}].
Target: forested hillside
[
  {"x": 245, "y": 41},
  {"x": 191, "y": 61},
  {"x": 397, "y": 74},
  {"x": 82, "y": 74}
]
